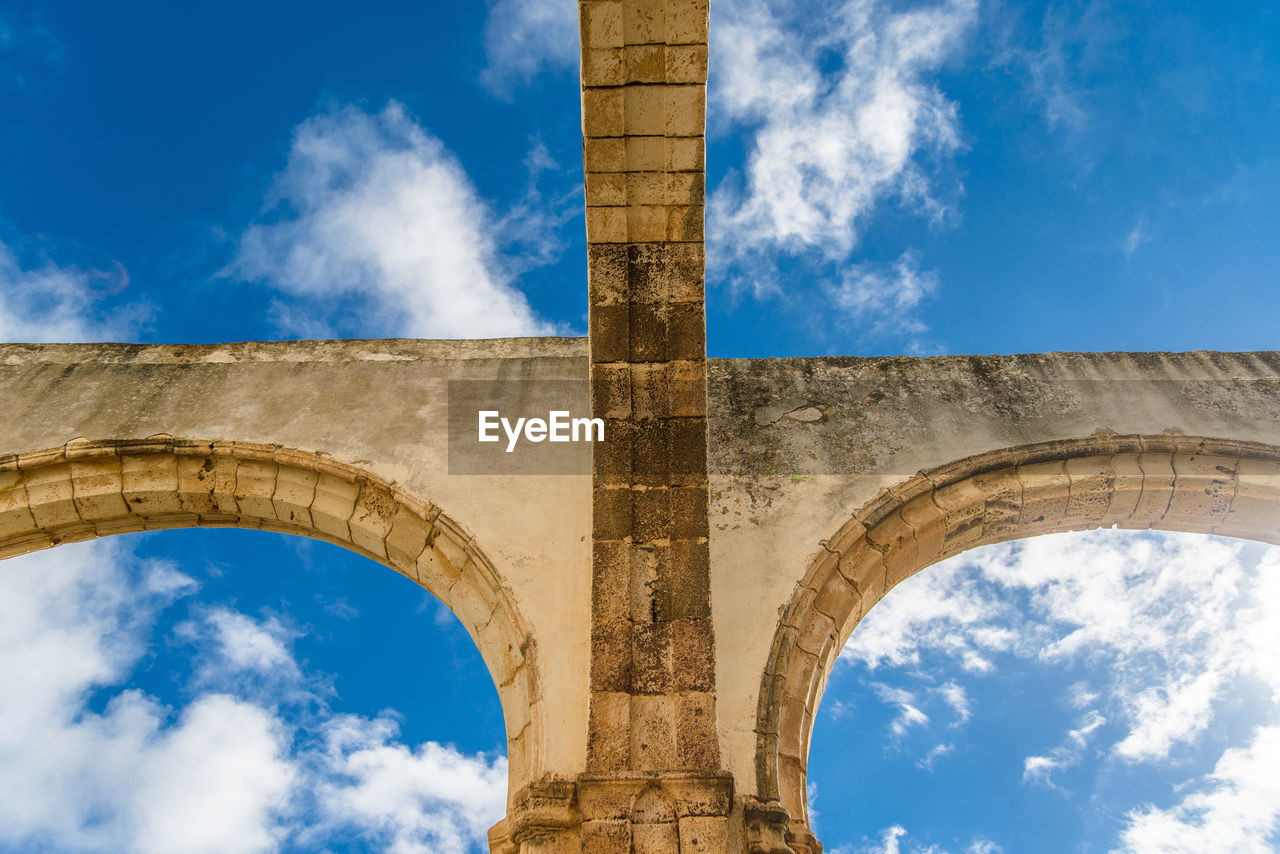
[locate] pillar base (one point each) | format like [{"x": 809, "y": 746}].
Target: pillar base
[{"x": 620, "y": 813}]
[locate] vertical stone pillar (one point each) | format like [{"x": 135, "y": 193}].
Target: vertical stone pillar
[{"x": 653, "y": 781}]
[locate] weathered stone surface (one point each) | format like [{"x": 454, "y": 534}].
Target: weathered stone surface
[
  {"x": 263, "y": 469},
  {"x": 661, "y": 632}
]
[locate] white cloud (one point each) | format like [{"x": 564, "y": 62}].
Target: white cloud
[
  {"x": 909, "y": 713},
  {"x": 521, "y": 37},
  {"x": 935, "y": 753},
  {"x": 216, "y": 782},
  {"x": 239, "y": 654},
  {"x": 250, "y": 645},
  {"x": 1103, "y": 596},
  {"x": 958, "y": 699},
  {"x": 73, "y": 622},
  {"x": 1049, "y": 74},
  {"x": 1039, "y": 769},
  {"x": 840, "y": 115},
  {"x": 432, "y": 800},
  {"x": 1165, "y": 628},
  {"x": 374, "y": 229},
  {"x": 1059, "y": 61},
  {"x": 940, "y": 609},
  {"x": 884, "y": 297},
  {"x": 88, "y": 766},
  {"x": 47, "y": 302},
  {"x": 1236, "y": 809},
  {"x": 890, "y": 837},
  {"x": 983, "y": 846},
  {"x": 1137, "y": 236},
  {"x": 891, "y": 842}
]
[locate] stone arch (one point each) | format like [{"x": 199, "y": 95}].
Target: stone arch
[
  {"x": 84, "y": 490},
  {"x": 1167, "y": 482}
]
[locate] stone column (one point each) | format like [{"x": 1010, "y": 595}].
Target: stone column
[{"x": 654, "y": 781}]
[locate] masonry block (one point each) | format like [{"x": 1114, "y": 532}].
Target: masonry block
[
  {"x": 928, "y": 526},
  {"x": 1002, "y": 505},
  {"x": 605, "y": 154},
  {"x": 607, "y": 836},
  {"x": 1126, "y": 487},
  {"x": 645, "y": 63},
  {"x": 704, "y": 834},
  {"x": 686, "y": 63},
  {"x": 684, "y": 154},
  {"x": 1203, "y": 487},
  {"x": 1254, "y": 510},
  {"x": 658, "y": 838},
  {"x": 684, "y": 110},
  {"x": 611, "y": 655},
  {"x": 1157, "y": 487},
  {"x": 689, "y": 579},
  {"x": 609, "y": 734},
  {"x": 643, "y": 21},
  {"x": 654, "y": 724},
  {"x": 334, "y": 502},
  {"x": 1046, "y": 488},
  {"x": 149, "y": 484},
  {"x": 645, "y": 153},
  {"x": 371, "y": 520},
  {"x": 294, "y": 494},
  {"x": 473, "y": 602},
  {"x": 607, "y": 225},
  {"x": 686, "y": 21},
  {"x": 409, "y": 537},
  {"x": 606, "y": 189},
  {"x": 95, "y": 484},
  {"x": 697, "y": 740},
  {"x": 692, "y": 659},
  {"x": 652, "y": 520},
  {"x": 603, "y": 67},
  {"x": 500, "y": 650},
  {"x": 49, "y": 495},
  {"x": 15, "y": 515},
  {"x": 1092, "y": 481}
]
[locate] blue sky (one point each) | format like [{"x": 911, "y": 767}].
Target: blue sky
[{"x": 968, "y": 176}]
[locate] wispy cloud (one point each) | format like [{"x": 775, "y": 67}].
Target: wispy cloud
[
  {"x": 229, "y": 772},
  {"x": 939, "y": 610},
  {"x": 884, "y": 297},
  {"x": 935, "y": 753},
  {"x": 1137, "y": 236},
  {"x": 840, "y": 115},
  {"x": 909, "y": 713},
  {"x": 1039, "y": 769},
  {"x": 374, "y": 229},
  {"x": 1236, "y": 807},
  {"x": 238, "y": 654},
  {"x": 1057, "y": 58},
  {"x": 522, "y": 37},
  {"x": 1103, "y": 596},
  {"x": 955, "y": 696},
  {"x": 892, "y": 838},
  {"x": 45, "y": 302},
  {"x": 28, "y": 50}
]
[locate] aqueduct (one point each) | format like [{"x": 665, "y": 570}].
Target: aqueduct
[{"x": 660, "y": 641}]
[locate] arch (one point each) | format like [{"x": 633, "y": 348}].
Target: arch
[
  {"x": 89, "y": 489},
  {"x": 1167, "y": 482}
]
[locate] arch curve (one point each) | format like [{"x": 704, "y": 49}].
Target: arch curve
[
  {"x": 1166, "y": 482},
  {"x": 89, "y": 489}
]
